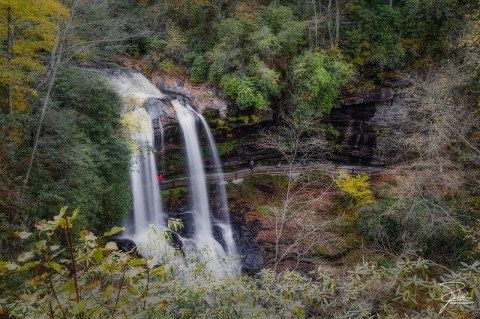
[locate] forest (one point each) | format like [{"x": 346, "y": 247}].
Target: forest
[{"x": 239, "y": 159}]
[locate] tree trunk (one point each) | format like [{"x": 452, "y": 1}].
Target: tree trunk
[
  {"x": 329, "y": 21},
  {"x": 55, "y": 60},
  {"x": 337, "y": 22},
  {"x": 391, "y": 3},
  {"x": 314, "y": 2},
  {"x": 54, "y": 63},
  {"x": 9, "y": 59}
]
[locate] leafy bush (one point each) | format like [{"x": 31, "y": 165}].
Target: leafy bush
[
  {"x": 417, "y": 225},
  {"x": 266, "y": 79},
  {"x": 89, "y": 119},
  {"x": 376, "y": 35},
  {"x": 167, "y": 65},
  {"x": 91, "y": 278},
  {"x": 226, "y": 148},
  {"x": 210, "y": 114},
  {"x": 356, "y": 189},
  {"x": 175, "y": 197},
  {"x": 198, "y": 71},
  {"x": 243, "y": 92},
  {"x": 316, "y": 78}
]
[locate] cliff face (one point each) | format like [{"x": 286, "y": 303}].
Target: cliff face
[{"x": 367, "y": 124}]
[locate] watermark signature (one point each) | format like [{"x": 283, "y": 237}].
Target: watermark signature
[{"x": 455, "y": 295}]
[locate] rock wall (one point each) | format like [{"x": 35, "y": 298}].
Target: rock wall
[{"x": 369, "y": 125}]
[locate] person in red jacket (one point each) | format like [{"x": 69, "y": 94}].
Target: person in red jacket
[{"x": 160, "y": 178}]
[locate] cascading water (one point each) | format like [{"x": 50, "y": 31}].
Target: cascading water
[
  {"x": 203, "y": 237},
  {"x": 136, "y": 90},
  {"x": 147, "y": 206},
  {"x": 224, "y": 222}
]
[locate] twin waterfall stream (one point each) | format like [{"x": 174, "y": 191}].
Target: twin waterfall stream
[{"x": 149, "y": 218}]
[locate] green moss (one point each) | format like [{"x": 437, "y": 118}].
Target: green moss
[
  {"x": 370, "y": 85},
  {"x": 264, "y": 211},
  {"x": 175, "y": 197},
  {"x": 226, "y": 147},
  {"x": 210, "y": 114}
]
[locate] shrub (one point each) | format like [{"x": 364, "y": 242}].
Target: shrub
[
  {"x": 356, "y": 189},
  {"x": 316, "y": 79},
  {"x": 175, "y": 197},
  {"x": 89, "y": 277},
  {"x": 243, "y": 92},
  {"x": 226, "y": 148},
  {"x": 198, "y": 71}
]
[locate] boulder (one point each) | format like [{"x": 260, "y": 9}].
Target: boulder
[{"x": 125, "y": 244}]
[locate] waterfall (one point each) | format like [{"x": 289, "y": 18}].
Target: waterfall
[
  {"x": 224, "y": 223},
  {"x": 146, "y": 191},
  {"x": 135, "y": 90},
  {"x": 203, "y": 237},
  {"x": 138, "y": 92}
]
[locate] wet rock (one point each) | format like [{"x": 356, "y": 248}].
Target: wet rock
[
  {"x": 176, "y": 240},
  {"x": 160, "y": 82},
  {"x": 125, "y": 244},
  {"x": 252, "y": 258},
  {"x": 244, "y": 235},
  {"x": 357, "y": 138}
]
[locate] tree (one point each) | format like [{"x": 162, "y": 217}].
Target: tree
[
  {"x": 316, "y": 79},
  {"x": 31, "y": 30},
  {"x": 375, "y": 34},
  {"x": 244, "y": 92},
  {"x": 296, "y": 215},
  {"x": 77, "y": 35},
  {"x": 429, "y": 207}
]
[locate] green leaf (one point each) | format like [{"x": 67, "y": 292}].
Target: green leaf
[
  {"x": 299, "y": 312},
  {"x": 106, "y": 293},
  {"x": 8, "y": 265},
  {"x": 22, "y": 235},
  {"x": 55, "y": 266},
  {"x": 111, "y": 246},
  {"x": 28, "y": 266},
  {"x": 137, "y": 262},
  {"x": 132, "y": 290},
  {"x": 68, "y": 287},
  {"x": 41, "y": 244},
  {"x": 160, "y": 272},
  {"x": 113, "y": 231},
  {"x": 26, "y": 256},
  {"x": 79, "y": 307},
  {"x": 98, "y": 255}
]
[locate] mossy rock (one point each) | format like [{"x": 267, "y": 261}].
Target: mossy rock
[{"x": 211, "y": 114}]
